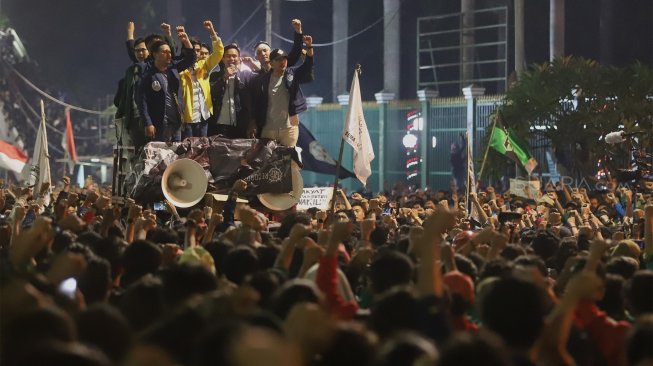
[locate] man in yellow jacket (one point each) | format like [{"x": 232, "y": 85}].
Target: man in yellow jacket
[{"x": 197, "y": 106}]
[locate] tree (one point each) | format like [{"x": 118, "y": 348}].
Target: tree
[{"x": 573, "y": 103}]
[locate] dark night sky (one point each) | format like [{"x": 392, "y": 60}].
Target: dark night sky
[{"x": 79, "y": 44}]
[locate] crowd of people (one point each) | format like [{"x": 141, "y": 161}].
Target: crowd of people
[
  {"x": 562, "y": 276},
  {"x": 201, "y": 89},
  {"x": 21, "y": 115},
  {"x": 399, "y": 278}
]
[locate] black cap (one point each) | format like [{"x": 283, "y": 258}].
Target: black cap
[
  {"x": 277, "y": 53},
  {"x": 260, "y": 43}
]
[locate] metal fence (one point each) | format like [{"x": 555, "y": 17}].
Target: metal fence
[
  {"x": 444, "y": 42},
  {"x": 445, "y": 121}
]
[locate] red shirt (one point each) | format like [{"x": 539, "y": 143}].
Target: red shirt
[
  {"x": 327, "y": 282},
  {"x": 608, "y": 334}
]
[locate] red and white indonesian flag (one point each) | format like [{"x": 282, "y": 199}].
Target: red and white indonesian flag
[
  {"x": 68, "y": 143},
  {"x": 11, "y": 157},
  {"x": 357, "y": 135}
]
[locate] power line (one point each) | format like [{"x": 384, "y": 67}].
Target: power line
[
  {"x": 80, "y": 109},
  {"x": 337, "y": 41},
  {"x": 245, "y": 22},
  {"x": 50, "y": 126},
  {"x": 50, "y": 145},
  {"x": 29, "y": 107}
]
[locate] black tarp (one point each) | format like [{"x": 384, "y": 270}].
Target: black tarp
[{"x": 264, "y": 164}]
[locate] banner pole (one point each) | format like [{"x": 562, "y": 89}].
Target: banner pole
[
  {"x": 487, "y": 149},
  {"x": 335, "y": 181},
  {"x": 467, "y": 186}
]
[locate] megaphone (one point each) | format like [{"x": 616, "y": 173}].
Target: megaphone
[
  {"x": 284, "y": 201},
  {"x": 184, "y": 183}
]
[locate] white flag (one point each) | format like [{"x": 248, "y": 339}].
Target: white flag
[
  {"x": 40, "y": 165},
  {"x": 357, "y": 135},
  {"x": 80, "y": 176}
]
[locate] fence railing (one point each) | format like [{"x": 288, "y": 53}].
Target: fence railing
[{"x": 444, "y": 121}]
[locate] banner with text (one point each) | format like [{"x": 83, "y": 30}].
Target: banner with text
[
  {"x": 525, "y": 188},
  {"x": 315, "y": 197}
]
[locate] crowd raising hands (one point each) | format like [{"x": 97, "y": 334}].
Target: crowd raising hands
[{"x": 407, "y": 277}]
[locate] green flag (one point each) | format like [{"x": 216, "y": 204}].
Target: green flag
[{"x": 507, "y": 143}]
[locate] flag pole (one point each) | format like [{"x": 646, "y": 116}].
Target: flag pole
[
  {"x": 487, "y": 148},
  {"x": 37, "y": 179},
  {"x": 467, "y": 186},
  {"x": 339, "y": 162}
]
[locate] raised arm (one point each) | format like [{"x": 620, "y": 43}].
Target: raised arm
[
  {"x": 167, "y": 36},
  {"x": 327, "y": 273},
  {"x": 304, "y": 72},
  {"x": 629, "y": 202},
  {"x": 648, "y": 233},
  {"x": 130, "y": 42},
  {"x": 296, "y": 50},
  {"x": 429, "y": 275},
  {"x": 188, "y": 53},
  {"x": 297, "y": 233},
  {"x": 583, "y": 286},
  {"x": 218, "y": 47},
  {"x": 479, "y": 208}
]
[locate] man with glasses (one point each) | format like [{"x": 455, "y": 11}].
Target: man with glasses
[
  {"x": 127, "y": 118},
  {"x": 140, "y": 50},
  {"x": 158, "y": 93}
]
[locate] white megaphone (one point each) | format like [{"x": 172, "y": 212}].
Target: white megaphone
[{"x": 184, "y": 183}]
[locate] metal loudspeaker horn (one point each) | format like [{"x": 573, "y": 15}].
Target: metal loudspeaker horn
[{"x": 184, "y": 183}]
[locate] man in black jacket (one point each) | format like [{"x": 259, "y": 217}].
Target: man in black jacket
[
  {"x": 278, "y": 99},
  {"x": 231, "y": 103},
  {"x": 160, "y": 89}
]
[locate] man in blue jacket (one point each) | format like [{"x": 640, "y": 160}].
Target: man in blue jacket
[
  {"x": 278, "y": 99},
  {"x": 159, "y": 91}
]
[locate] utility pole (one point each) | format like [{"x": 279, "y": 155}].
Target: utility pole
[
  {"x": 520, "y": 49},
  {"x": 268, "y": 21},
  {"x": 391, "y": 47},
  {"x": 556, "y": 28},
  {"x": 467, "y": 40},
  {"x": 224, "y": 17},
  {"x": 339, "y": 63}
]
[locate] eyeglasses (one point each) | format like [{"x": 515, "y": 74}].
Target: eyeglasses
[{"x": 140, "y": 49}]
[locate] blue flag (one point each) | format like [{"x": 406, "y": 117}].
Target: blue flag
[{"x": 315, "y": 157}]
